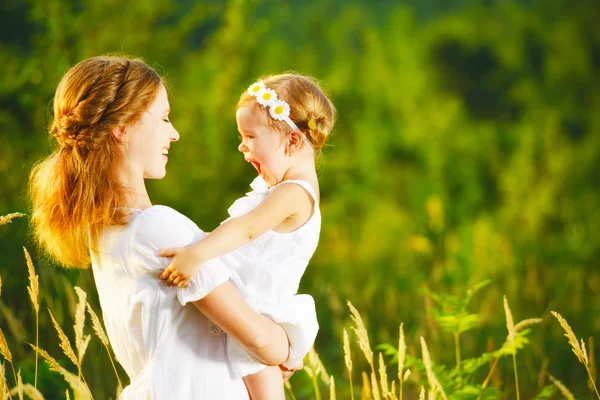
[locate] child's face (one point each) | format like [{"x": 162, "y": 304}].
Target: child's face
[{"x": 261, "y": 146}]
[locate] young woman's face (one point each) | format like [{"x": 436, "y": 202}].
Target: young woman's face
[
  {"x": 261, "y": 146},
  {"x": 148, "y": 141}
]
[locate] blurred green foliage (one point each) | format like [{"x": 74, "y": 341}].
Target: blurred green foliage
[{"x": 466, "y": 149}]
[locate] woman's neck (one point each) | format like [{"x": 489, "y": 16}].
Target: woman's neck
[{"x": 137, "y": 189}]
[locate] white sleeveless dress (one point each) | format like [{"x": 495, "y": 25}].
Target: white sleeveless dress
[{"x": 267, "y": 272}]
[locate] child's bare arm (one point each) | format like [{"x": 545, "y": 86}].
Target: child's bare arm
[{"x": 283, "y": 202}]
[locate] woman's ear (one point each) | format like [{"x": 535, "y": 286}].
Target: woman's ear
[{"x": 119, "y": 134}]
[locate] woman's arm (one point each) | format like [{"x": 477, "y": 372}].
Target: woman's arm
[
  {"x": 279, "y": 205},
  {"x": 262, "y": 337}
]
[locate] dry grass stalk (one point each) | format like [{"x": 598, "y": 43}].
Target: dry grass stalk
[
  {"x": 374, "y": 387},
  {"x": 81, "y": 340},
  {"x": 4, "y": 350},
  {"x": 365, "y": 393},
  {"x": 527, "y": 322},
  {"x": 6, "y": 219},
  {"x": 383, "y": 379},
  {"x": 19, "y": 388},
  {"x": 316, "y": 362},
  {"x": 422, "y": 393},
  {"x": 348, "y": 361},
  {"x": 0, "y": 285},
  {"x": 65, "y": 344},
  {"x": 347, "y": 354},
  {"x": 393, "y": 390},
  {"x": 562, "y": 388},
  {"x": 34, "y": 287},
  {"x": 592, "y": 362},
  {"x": 331, "y": 388},
  {"x": 578, "y": 348},
  {"x": 80, "y": 389},
  {"x": 97, "y": 325},
  {"x": 67, "y": 395},
  {"x": 15, "y": 326},
  {"x": 361, "y": 333},
  {"x": 431, "y": 395},
  {"x": 34, "y": 291},
  {"x": 29, "y": 391},
  {"x": 433, "y": 381},
  {"x": 401, "y": 359},
  {"x": 510, "y": 325}
]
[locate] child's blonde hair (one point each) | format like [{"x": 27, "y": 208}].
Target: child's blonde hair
[{"x": 307, "y": 102}]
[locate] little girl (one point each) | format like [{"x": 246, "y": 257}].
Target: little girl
[{"x": 272, "y": 232}]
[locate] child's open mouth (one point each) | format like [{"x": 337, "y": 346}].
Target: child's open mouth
[{"x": 256, "y": 165}]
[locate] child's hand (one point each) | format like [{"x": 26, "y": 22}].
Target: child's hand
[{"x": 182, "y": 267}]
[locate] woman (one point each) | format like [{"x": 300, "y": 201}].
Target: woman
[{"x": 90, "y": 204}]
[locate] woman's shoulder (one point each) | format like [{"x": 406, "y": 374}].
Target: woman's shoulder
[{"x": 162, "y": 224}]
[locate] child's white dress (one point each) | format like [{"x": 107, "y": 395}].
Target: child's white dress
[{"x": 267, "y": 274}]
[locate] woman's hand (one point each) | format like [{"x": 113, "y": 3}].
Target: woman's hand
[{"x": 183, "y": 266}]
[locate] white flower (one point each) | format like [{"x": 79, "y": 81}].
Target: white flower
[
  {"x": 266, "y": 97},
  {"x": 279, "y": 110},
  {"x": 256, "y": 88}
]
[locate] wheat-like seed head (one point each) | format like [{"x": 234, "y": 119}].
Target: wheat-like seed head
[
  {"x": 422, "y": 393},
  {"x": 19, "y": 385},
  {"x": 30, "y": 391},
  {"x": 67, "y": 395},
  {"x": 316, "y": 362},
  {"x": 383, "y": 377},
  {"x": 365, "y": 393},
  {"x": 393, "y": 390},
  {"x": 97, "y": 325},
  {"x": 3, "y": 383},
  {"x": 0, "y": 285},
  {"x": 361, "y": 334},
  {"x": 331, "y": 388},
  {"x": 81, "y": 340},
  {"x": 374, "y": 387},
  {"x": 6, "y": 219},
  {"x": 572, "y": 338},
  {"x": 4, "y": 348},
  {"x": 527, "y": 322},
  {"x": 592, "y": 360},
  {"x": 406, "y": 375},
  {"x": 562, "y": 388},
  {"x": 65, "y": 344},
  {"x": 401, "y": 353},
  {"x": 510, "y": 325},
  {"x": 34, "y": 287},
  {"x": 433, "y": 382},
  {"x": 347, "y": 354},
  {"x": 80, "y": 390}
]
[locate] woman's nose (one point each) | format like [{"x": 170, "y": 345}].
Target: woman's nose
[
  {"x": 242, "y": 147},
  {"x": 174, "y": 135}
]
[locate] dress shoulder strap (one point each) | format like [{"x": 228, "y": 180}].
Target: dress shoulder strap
[{"x": 305, "y": 185}]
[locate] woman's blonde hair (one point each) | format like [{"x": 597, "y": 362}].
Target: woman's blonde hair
[
  {"x": 76, "y": 190},
  {"x": 307, "y": 102}
]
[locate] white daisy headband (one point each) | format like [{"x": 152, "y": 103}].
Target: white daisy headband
[{"x": 278, "y": 109}]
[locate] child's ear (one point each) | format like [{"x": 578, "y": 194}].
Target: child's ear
[{"x": 294, "y": 140}]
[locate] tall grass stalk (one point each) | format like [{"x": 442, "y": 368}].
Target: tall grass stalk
[
  {"x": 401, "y": 358},
  {"x": 510, "y": 326},
  {"x": 348, "y": 361},
  {"x": 34, "y": 291},
  {"x": 578, "y": 348}
]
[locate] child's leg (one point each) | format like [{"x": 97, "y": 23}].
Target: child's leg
[{"x": 266, "y": 384}]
